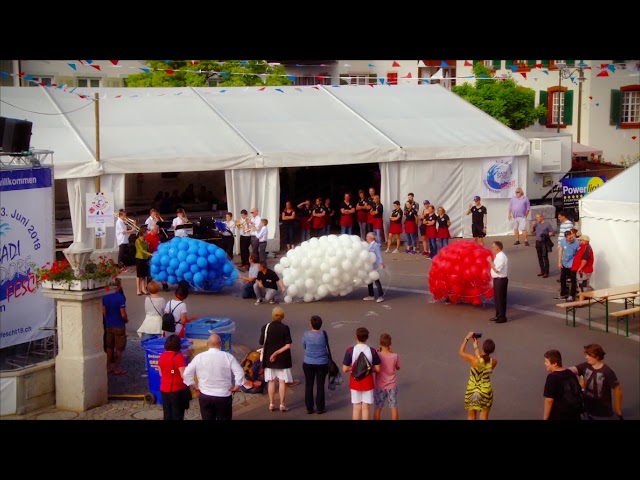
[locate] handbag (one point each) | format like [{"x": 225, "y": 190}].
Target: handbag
[
  {"x": 261, "y": 350},
  {"x": 333, "y": 367}
]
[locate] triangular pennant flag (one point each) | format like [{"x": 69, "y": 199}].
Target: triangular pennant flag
[
  {"x": 603, "y": 73},
  {"x": 408, "y": 75},
  {"x": 537, "y": 65},
  {"x": 194, "y": 62},
  {"x": 21, "y": 74},
  {"x": 320, "y": 78},
  {"x": 292, "y": 77},
  {"x": 261, "y": 89},
  {"x": 633, "y": 137},
  {"x": 371, "y": 85},
  {"x": 381, "y": 79},
  {"x": 597, "y": 104},
  {"x": 425, "y": 80},
  {"x": 89, "y": 61},
  {"x": 370, "y": 65},
  {"x": 243, "y": 62},
  {"x": 444, "y": 64},
  {"x": 169, "y": 72},
  {"x": 73, "y": 90},
  {"x": 222, "y": 91},
  {"x": 72, "y": 65},
  {"x": 4, "y": 75},
  {"x": 421, "y": 63},
  {"x": 145, "y": 70},
  {"x": 514, "y": 68},
  {"x": 467, "y": 63},
  {"x": 524, "y": 74},
  {"x": 604, "y": 65},
  {"x": 545, "y": 71},
  {"x": 438, "y": 75},
  {"x": 618, "y": 127},
  {"x": 115, "y": 62},
  {"x": 298, "y": 89},
  {"x": 612, "y": 68},
  {"x": 263, "y": 77},
  {"x": 97, "y": 67},
  {"x": 118, "y": 96},
  {"x": 224, "y": 74},
  {"x": 395, "y": 64},
  {"x": 582, "y": 65},
  {"x": 279, "y": 90},
  {"x": 316, "y": 88}
]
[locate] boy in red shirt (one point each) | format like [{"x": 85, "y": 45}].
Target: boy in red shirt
[{"x": 361, "y": 390}]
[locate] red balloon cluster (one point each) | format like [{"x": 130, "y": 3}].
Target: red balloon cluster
[{"x": 461, "y": 273}]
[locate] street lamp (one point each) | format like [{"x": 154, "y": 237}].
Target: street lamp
[{"x": 565, "y": 72}]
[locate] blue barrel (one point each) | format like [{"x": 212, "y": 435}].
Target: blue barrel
[
  {"x": 202, "y": 328},
  {"x": 154, "y": 347}
]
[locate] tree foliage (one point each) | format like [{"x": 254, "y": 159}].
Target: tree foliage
[
  {"x": 223, "y": 73},
  {"x": 503, "y": 99}
]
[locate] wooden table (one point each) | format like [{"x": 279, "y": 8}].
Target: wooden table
[{"x": 602, "y": 296}]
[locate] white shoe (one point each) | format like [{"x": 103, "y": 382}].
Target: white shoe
[
  {"x": 386, "y": 251},
  {"x": 380, "y": 299},
  {"x": 395, "y": 251},
  {"x": 259, "y": 301},
  {"x": 369, "y": 298}
]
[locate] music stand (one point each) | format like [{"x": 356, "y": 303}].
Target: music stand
[{"x": 164, "y": 225}]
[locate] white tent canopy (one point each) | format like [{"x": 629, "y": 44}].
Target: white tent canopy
[
  {"x": 610, "y": 216},
  {"x": 428, "y": 139}
]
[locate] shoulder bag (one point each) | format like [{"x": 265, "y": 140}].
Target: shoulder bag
[{"x": 265, "y": 342}]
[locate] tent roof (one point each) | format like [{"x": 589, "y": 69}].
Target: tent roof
[
  {"x": 624, "y": 187},
  {"x": 581, "y": 150},
  {"x": 146, "y": 130}
]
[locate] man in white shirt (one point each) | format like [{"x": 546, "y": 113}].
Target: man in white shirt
[
  {"x": 499, "y": 270},
  {"x": 262, "y": 235},
  {"x": 255, "y": 226},
  {"x": 122, "y": 236},
  {"x": 219, "y": 375}
]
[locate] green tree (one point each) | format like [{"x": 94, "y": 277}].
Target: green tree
[
  {"x": 223, "y": 73},
  {"x": 504, "y": 100}
]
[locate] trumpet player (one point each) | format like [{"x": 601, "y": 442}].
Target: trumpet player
[
  {"x": 124, "y": 228},
  {"x": 154, "y": 218}
]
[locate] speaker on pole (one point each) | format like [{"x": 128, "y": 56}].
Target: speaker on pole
[{"x": 16, "y": 136}]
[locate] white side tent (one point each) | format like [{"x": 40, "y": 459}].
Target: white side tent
[
  {"x": 424, "y": 138},
  {"x": 610, "y": 216}
]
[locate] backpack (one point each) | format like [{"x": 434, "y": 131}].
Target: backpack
[
  {"x": 168, "y": 322},
  {"x": 362, "y": 367},
  {"x": 572, "y": 396},
  {"x": 253, "y": 373}
]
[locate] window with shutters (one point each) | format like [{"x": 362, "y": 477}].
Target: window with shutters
[
  {"x": 625, "y": 107},
  {"x": 559, "y": 106},
  {"x": 323, "y": 78},
  {"x": 88, "y": 82},
  {"x": 357, "y": 79},
  {"x": 37, "y": 81},
  {"x": 519, "y": 65}
]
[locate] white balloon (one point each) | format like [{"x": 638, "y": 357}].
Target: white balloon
[
  {"x": 323, "y": 291},
  {"x": 347, "y": 265},
  {"x": 334, "y": 272},
  {"x": 308, "y": 297},
  {"x": 299, "y": 282},
  {"x": 292, "y": 290},
  {"x": 326, "y": 277},
  {"x": 285, "y": 262},
  {"x": 288, "y": 299},
  {"x": 278, "y": 268},
  {"x": 374, "y": 275}
]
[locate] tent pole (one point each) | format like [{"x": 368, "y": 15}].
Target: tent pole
[{"x": 97, "y": 115}]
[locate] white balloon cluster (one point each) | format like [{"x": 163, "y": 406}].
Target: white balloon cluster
[{"x": 329, "y": 265}]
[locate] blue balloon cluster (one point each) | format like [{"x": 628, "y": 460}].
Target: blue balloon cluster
[{"x": 203, "y": 265}]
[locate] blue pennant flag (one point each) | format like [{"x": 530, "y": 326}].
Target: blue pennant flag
[
  {"x": 244, "y": 62},
  {"x": 425, "y": 80},
  {"x": 4, "y": 74},
  {"x": 611, "y": 67},
  {"x": 514, "y": 68},
  {"x": 145, "y": 70},
  {"x": 222, "y": 91},
  {"x": 292, "y": 77},
  {"x": 444, "y": 64},
  {"x": 545, "y": 71},
  {"x": 279, "y": 90},
  {"x": 224, "y": 74},
  {"x": 371, "y": 65},
  {"x": 73, "y": 65},
  {"x": 89, "y": 61},
  {"x": 381, "y": 80}
]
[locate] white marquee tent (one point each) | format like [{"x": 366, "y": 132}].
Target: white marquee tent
[
  {"x": 610, "y": 216},
  {"x": 424, "y": 138}
]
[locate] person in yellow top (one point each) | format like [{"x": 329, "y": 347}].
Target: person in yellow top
[
  {"x": 479, "y": 394},
  {"x": 142, "y": 265}
]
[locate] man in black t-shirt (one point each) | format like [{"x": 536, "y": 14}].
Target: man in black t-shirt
[
  {"x": 561, "y": 390},
  {"x": 478, "y": 214},
  {"x": 267, "y": 283}
]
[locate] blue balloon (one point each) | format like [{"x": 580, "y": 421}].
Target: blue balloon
[
  {"x": 211, "y": 248},
  {"x": 202, "y": 262},
  {"x": 192, "y": 258},
  {"x": 229, "y": 282},
  {"x": 202, "y": 251},
  {"x": 155, "y": 260},
  {"x": 184, "y": 266},
  {"x": 164, "y": 260},
  {"x": 162, "y": 276},
  {"x": 212, "y": 259},
  {"x": 173, "y": 252},
  {"x": 194, "y": 268},
  {"x": 170, "y": 270},
  {"x": 212, "y": 275},
  {"x": 228, "y": 268},
  {"x": 193, "y": 248},
  {"x": 198, "y": 279},
  {"x": 183, "y": 246},
  {"x": 182, "y": 255},
  {"x": 163, "y": 247},
  {"x": 179, "y": 275},
  {"x": 154, "y": 269},
  {"x": 188, "y": 276},
  {"x": 220, "y": 253},
  {"x": 174, "y": 263},
  {"x": 172, "y": 279},
  {"x": 235, "y": 274}
]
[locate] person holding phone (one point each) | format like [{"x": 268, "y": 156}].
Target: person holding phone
[{"x": 479, "y": 395}]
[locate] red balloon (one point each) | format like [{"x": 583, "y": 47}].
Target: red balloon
[
  {"x": 489, "y": 293},
  {"x": 454, "y": 298}
]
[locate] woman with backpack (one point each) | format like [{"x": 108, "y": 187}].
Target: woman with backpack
[
  {"x": 178, "y": 309},
  {"x": 479, "y": 395}
]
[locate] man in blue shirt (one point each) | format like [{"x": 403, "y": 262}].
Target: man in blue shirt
[
  {"x": 568, "y": 247},
  {"x": 115, "y": 316}
]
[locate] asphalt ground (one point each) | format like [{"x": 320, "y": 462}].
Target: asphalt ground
[{"x": 426, "y": 334}]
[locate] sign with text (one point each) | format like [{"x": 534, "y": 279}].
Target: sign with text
[
  {"x": 499, "y": 177},
  {"x": 573, "y": 189},
  {"x": 26, "y": 239}
]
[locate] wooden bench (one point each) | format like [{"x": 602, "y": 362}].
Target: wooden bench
[
  {"x": 624, "y": 314},
  {"x": 570, "y": 307},
  {"x": 629, "y": 298}
]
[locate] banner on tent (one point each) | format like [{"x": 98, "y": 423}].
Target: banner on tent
[
  {"x": 573, "y": 189},
  {"x": 26, "y": 238},
  {"x": 100, "y": 212},
  {"x": 499, "y": 177}
]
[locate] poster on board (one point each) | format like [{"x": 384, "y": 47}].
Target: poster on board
[
  {"x": 499, "y": 177},
  {"x": 100, "y": 211},
  {"x": 26, "y": 239}
]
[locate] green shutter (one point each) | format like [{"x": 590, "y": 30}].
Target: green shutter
[
  {"x": 567, "y": 116},
  {"x": 473, "y": 63},
  {"x": 544, "y": 100},
  {"x": 618, "y": 61},
  {"x": 373, "y": 79},
  {"x": 571, "y": 63},
  {"x": 343, "y": 79},
  {"x": 615, "y": 113},
  {"x": 545, "y": 63},
  {"x": 508, "y": 63},
  {"x": 531, "y": 63},
  {"x": 497, "y": 64}
]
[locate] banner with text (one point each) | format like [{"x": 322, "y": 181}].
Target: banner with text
[
  {"x": 100, "y": 212},
  {"x": 573, "y": 189},
  {"x": 499, "y": 177},
  {"x": 26, "y": 238}
]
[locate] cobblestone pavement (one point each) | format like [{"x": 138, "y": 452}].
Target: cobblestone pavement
[{"x": 136, "y": 384}]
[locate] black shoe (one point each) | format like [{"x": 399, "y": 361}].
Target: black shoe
[
  {"x": 310, "y": 411},
  {"x": 320, "y": 412},
  {"x": 501, "y": 321},
  {"x": 493, "y": 319}
]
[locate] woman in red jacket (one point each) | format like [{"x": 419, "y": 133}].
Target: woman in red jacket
[{"x": 171, "y": 365}]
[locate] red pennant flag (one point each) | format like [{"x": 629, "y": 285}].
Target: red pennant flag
[
  {"x": 537, "y": 65},
  {"x": 97, "y": 67},
  {"x": 634, "y": 137},
  {"x": 194, "y": 62},
  {"x": 603, "y": 73},
  {"x": 261, "y": 89},
  {"x": 604, "y": 65},
  {"x": 395, "y": 64},
  {"x": 319, "y": 77},
  {"x": 118, "y": 96},
  {"x": 467, "y": 63},
  {"x": 316, "y": 88},
  {"x": 115, "y": 62},
  {"x": 590, "y": 97},
  {"x": 21, "y": 74},
  {"x": 407, "y": 76},
  {"x": 524, "y": 74},
  {"x": 371, "y": 85},
  {"x": 169, "y": 72},
  {"x": 81, "y": 96}
]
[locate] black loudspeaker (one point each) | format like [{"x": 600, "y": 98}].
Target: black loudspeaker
[{"x": 17, "y": 135}]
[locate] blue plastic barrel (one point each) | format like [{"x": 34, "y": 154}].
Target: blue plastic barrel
[{"x": 154, "y": 347}]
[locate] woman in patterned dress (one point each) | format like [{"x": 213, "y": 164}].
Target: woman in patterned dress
[{"x": 479, "y": 394}]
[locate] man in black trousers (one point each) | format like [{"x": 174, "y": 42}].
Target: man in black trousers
[{"x": 499, "y": 268}]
